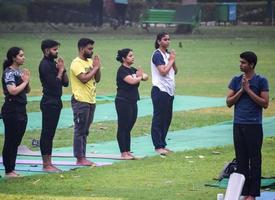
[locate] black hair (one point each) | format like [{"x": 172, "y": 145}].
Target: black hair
[
  {"x": 122, "y": 54},
  {"x": 83, "y": 42},
  {"x": 250, "y": 57},
  {"x": 159, "y": 37},
  {"x": 48, "y": 43},
  {"x": 12, "y": 53}
]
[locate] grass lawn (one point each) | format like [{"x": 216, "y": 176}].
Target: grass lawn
[
  {"x": 207, "y": 61},
  {"x": 179, "y": 176}
]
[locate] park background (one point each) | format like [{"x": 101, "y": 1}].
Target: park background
[{"x": 207, "y": 59}]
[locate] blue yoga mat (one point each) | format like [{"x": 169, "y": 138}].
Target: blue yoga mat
[
  {"x": 266, "y": 196},
  {"x": 107, "y": 112},
  {"x": 204, "y": 137}
]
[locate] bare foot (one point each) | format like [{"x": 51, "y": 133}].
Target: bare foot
[
  {"x": 12, "y": 174},
  {"x": 126, "y": 156},
  {"x": 130, "y": 154},
  {"x": 250, "y": 198},
  {"x": 161, "y": 151},
  {"x": 244, "y": 197},
  {"x": 84, "y": 162},
  {"x": 50, "y": 168},
  {"x": 168, "y": 150}
]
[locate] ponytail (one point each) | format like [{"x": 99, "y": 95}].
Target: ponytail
[
  {"x": 6, "y": 64},
  {"x": 12, "y": 53},
  {"x": 158, "y": 38}
]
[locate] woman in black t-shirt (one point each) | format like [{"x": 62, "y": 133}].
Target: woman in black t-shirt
[
  {"x": 128, "y": 79},
  {"x": 15, "y": 82}
]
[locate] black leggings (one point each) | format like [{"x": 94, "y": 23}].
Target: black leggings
[
  {"x": 126, "y": 117},
  {"x": 15, "y": 122},
  {"x": 51, "y": 108}
]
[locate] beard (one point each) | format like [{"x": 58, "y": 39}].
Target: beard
[
  {"x": 53, "y": 56},
  {"x": 88, "y": 55}
]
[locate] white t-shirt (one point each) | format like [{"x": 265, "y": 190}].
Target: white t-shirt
[{"x": 165, "y": 83}]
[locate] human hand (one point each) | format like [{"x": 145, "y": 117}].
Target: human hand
[
  {"x": 139, "y": 72},
  {"x": 96, "y": 62},
  {"x": 145, "y": 77},
  {"x": 25, "y": 75},
  {"x": 245, "y": 83},
  {"x": 172, "y": 55},
  {"x": 60, "y": 64}
]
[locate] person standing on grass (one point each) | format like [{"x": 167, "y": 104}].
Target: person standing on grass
[
  {"x": 84, "y": 74},
  {"x": 163, "y": 69},
  {"x": 127, "y": 80},
  {"x": 248, "y": 93},
  {"x": 53, "y": 77},
  {"x": 15, "y": 83}
]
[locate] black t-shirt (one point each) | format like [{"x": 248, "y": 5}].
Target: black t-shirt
[
  {"x": 52, "y": 86},
  {"x": 126, "y": 91},
  {"x": 13, "y": 77}
]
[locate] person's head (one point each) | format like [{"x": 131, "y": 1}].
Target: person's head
[
  {"x": 85, "y": 47},
  {"x": 125, "y": 56},
  {"x": 15, "y": 55},
  {"x": 50, "y": 48},
  {"x": 162, "y": 40},
  {"x": 248, "y": 61}
]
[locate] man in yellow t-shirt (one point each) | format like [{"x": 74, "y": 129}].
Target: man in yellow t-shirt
[{"x": 84, "y": 74}]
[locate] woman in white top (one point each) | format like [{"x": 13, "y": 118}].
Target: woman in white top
[{"x": 163, "y": 71}]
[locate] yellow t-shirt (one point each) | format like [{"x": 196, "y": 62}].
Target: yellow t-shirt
[{"x": 84, "y": 92}]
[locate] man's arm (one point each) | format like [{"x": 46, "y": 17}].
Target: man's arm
[
  {"x": 47, "y": 76},
  {"x": 96, "y": 62},
  {"x": 94, "y": 73},
  {"x": 85, "y": 77},
  {"x": 262, "y": 100},
  {"x": 65, "y": 79},
  {"x": 62, "y": 75},
  {"x": 233, "y": 97},
  {"x": 98, "y": 75}
]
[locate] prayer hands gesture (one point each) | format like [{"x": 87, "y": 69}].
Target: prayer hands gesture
[
  {"x": 245, "y": 83},
  {"x": 60, "y": 64},
  {"x": 26, "y": 75},
  {"x": 172, "y": 56},
  {"x": 139, "y": 71},
  {"x": 96, "y": 62}
]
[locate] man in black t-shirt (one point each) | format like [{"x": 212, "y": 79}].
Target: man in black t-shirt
[{"x": 52, "y": 76}]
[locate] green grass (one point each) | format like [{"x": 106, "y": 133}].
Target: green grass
[
  {"x": 206, "y": 63},
  {"x": 105, "y": 131},
  {"x": 173, "y": 177}
]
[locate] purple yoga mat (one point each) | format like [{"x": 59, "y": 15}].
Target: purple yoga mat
[{"x": 55, "y": 162}]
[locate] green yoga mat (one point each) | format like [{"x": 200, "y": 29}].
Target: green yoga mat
[
  {"x": 204, "y": 137},
  {"x": 107, "y": 112},
  {"x": 265, "y": 183},
  {"x": 68, "y": 98}
]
